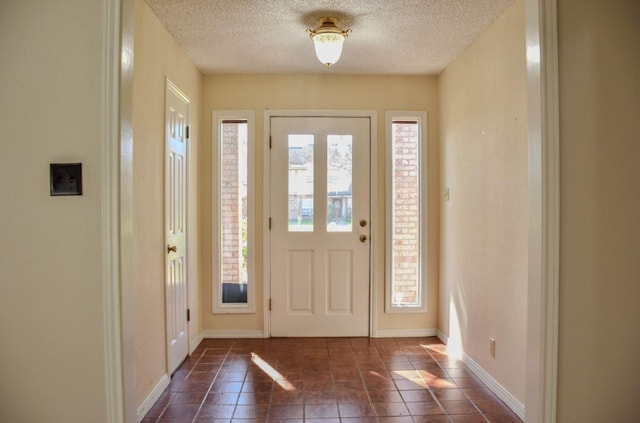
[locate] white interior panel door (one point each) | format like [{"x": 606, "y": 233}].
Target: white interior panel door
[
  {"x": 320, "y": 206},
  {"x": 177, "y": 113}
]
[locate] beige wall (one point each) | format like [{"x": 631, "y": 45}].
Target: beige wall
[
  {"x": 599, "y": 60},
  {"x": 52, "y": 364},
  {"x": 157, "y": 56},
  {"x": 483, "y": 257},
  {"x": 260, "y": 92}
]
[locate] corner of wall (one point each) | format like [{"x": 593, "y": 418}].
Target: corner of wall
[{"x": 483, "y": 222}]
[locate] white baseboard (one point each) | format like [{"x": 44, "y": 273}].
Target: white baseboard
[
  {"x": 232, "y": 334},
  {"x": 495, "y": 387},
  {"x": 193, "y": 343},
  {"x": 403, "y": 333},
  {"x": 151, "y": 399},
  {"x": 442, "y": 337}
]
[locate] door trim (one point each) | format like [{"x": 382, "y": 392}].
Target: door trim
[
  {"x": 543, "y": 295},
  {"x": 266, "y": 203},
  {"x": 116, "y": 182}
]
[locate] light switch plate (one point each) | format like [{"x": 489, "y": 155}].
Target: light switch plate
[{"x": 65, "y": 179}]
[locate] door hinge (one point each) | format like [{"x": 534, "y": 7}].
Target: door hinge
[
  {"x": 186, "y": 131},
  {"x": 269, "y": 223},
  {"x": 269, "y": 142},
  {"x": 269, "y": 304},
  {"x": 188, "y": 315}
]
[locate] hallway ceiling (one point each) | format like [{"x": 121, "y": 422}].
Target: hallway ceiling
[{"x": 400, "y": 37}]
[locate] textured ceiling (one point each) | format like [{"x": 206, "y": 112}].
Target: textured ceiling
[{"x": 408, "y": 37}]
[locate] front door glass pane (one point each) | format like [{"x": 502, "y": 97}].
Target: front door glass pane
[
  {"x": 301, "y": 183},
  {"x": 339, "y": 182}
]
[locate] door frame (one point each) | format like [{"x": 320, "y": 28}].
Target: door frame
[
  {"x": 266, "y": 202},
  {"x": 543, "y": 293}
]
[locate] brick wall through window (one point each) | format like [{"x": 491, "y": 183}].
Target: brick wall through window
[
  {"x": 231, "y": 202},
  {"x": 406, "y": 214}
]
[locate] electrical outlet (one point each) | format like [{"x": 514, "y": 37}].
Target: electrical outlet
[{"x": 492, "y": 347}]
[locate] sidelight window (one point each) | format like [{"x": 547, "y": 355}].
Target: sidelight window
[
  {"x": 233, "y": 211},
  {"x": 406, "y": 173}
]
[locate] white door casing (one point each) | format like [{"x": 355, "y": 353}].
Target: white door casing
[
  {"x": 176, "y": 136},
  {"x": 320, "y": 274}
]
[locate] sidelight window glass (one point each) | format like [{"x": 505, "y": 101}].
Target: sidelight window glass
[
  {"x": 233, "y": 211},
  {"x": 406, "y": 213}
]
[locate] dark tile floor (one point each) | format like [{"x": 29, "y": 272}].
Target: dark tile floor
[{"x": 326, "y": 380}]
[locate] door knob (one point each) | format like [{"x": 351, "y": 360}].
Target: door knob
[
  {"x": 363, "y": 238},
  {"x": 363, "y": 223},
  {"x": 172, "y": 248}
]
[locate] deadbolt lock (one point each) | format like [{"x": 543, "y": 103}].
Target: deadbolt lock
[{"x": 363, "y": 223}]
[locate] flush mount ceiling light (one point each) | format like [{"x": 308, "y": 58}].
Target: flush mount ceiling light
[{"x": 328, "y": 39}]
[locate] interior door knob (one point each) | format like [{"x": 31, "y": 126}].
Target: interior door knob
[
  {"x": 363, "y": 238},
  {"x": 172, "y": 248}
]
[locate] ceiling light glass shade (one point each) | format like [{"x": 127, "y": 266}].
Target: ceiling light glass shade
[
  {"x": 328, "y": 47},
  {"x": 328, "y": 40}
]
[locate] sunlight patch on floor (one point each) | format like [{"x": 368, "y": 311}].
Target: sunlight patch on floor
[{"x": 272, "y": 373}]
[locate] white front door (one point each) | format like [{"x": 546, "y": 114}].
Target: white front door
[
  {"x": 176, "y": 124},
  {"x": 320, "y": 206}
]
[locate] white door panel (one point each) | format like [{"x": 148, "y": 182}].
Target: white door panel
[
  {"x": 320, "y": 192},
  {"x": 177, "y": 112}
]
